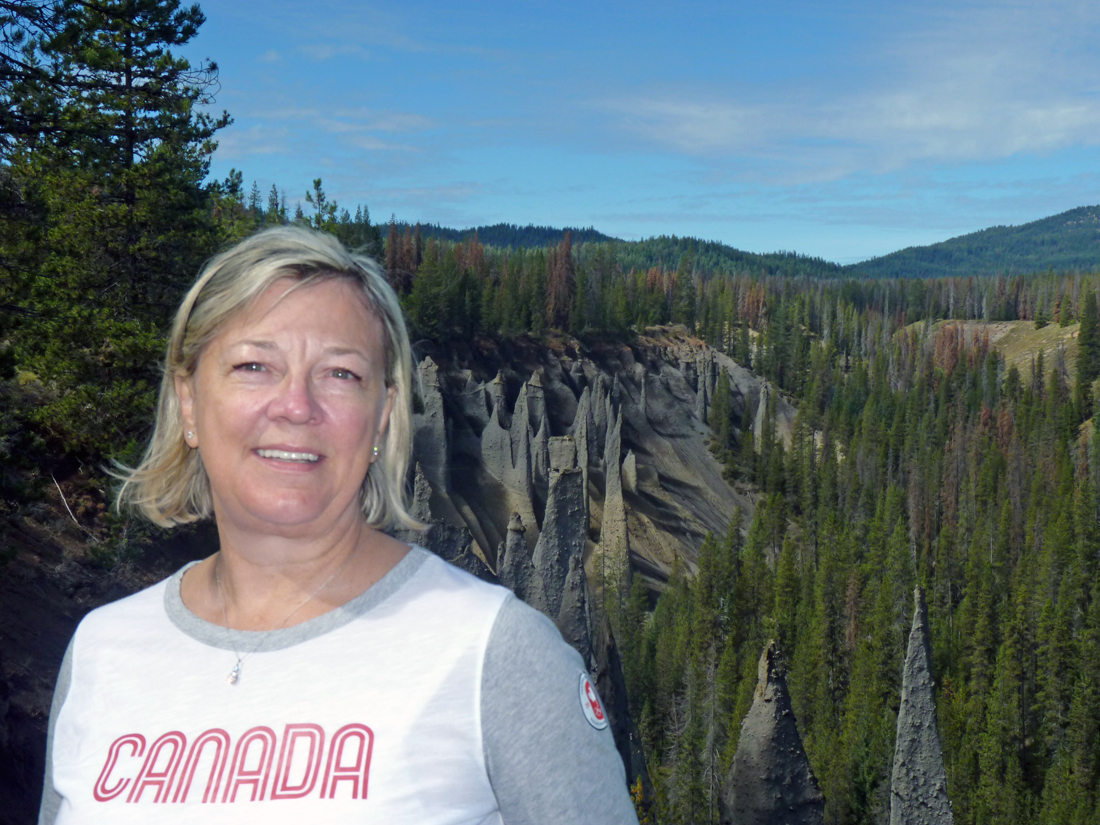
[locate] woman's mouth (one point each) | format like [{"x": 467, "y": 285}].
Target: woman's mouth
[{"x": 286, "y": 455}]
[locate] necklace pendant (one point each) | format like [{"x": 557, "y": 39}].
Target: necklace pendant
[{"x": 234, "y": 674}]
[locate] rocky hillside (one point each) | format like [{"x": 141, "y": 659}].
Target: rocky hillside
[{"x": 493, "y": 421}]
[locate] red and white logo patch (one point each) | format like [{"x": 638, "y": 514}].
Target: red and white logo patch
[{"x": 591, "y": 704}]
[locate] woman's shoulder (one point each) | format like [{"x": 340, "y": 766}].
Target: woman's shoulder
[
  {"x": 145, "y": 604},
  {"x": 442, "y": 573}
]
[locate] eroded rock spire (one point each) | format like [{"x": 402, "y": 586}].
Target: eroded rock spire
[
  {"x": 918, "y": 787},
  {"x": 563, "y": 534},
  {"x": 770, "y": 781}
]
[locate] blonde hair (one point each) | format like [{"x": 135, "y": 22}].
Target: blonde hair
[{"x": 170, "y": 486}]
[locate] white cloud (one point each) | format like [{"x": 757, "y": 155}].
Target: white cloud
[
  {"x": 238, "y": 144},
  {"x": 983, "y": 82},
  {"x": 372, "y": 144},
  {"x": 327, "y": 51}
]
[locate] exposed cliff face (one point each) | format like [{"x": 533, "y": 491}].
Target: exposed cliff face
[
  {"x": 521, "y": 473},
  {"x": 488, "y": 455},
  {"x": 918, "y": 788},
  {"x": 770, "y": 781}
]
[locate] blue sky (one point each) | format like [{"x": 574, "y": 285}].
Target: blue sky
[{"x": 839, "y": 129}]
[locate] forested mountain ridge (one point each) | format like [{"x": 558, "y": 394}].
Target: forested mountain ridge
[
  {"x": 663, "y": 251},
  {"x": 1070, "y": 240},
  {"x": 509, "y": 235}
]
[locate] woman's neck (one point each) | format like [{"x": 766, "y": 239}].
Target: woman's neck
[{"x": 263, "y": 582}]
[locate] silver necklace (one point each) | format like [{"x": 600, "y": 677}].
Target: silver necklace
[{"x": 235, "y": 673}]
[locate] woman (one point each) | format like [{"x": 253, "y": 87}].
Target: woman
[{"x": 314, "y": 669}]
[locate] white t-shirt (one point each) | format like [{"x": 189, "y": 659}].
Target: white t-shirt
[{"x": 431, "y": 698}]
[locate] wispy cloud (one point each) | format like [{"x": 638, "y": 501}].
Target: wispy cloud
[
  {"x": 372, "y": 144},
  {"x": 357, "y": 129},
  {"x": 327, "y": 51},
  {"x": 237, "y": 145},
  {"x": 985, "y": 82}
]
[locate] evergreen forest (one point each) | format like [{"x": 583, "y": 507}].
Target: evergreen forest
[{"x": 920, "y": 456}]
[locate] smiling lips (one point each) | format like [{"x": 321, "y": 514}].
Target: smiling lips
[{"x": 286, "y": 455}]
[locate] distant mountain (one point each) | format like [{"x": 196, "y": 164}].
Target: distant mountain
[
  {"x": 664, "y": 251},
  {"x": 506, "y": 234},
  {"x": 1067, "y": 241},
  {"x": 712, "y": 257}
]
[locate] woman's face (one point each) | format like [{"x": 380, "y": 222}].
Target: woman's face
[{"x": 285, "y": 406}]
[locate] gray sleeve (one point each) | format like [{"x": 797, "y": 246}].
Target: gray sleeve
[
  {"x": 547, "y": 764},
  {"x": 51, "y": 800}
]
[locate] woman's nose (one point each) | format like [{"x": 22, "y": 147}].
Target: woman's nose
[{"x": 295, "y": 401}]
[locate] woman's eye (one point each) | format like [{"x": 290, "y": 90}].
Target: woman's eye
[
  {"x": 346, "y": 375},
  {"x": 249, "y": 366}
]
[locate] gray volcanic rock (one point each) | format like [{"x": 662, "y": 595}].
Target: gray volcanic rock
[
  {"x": 614, "y": 541},
  {"x": 702, "y": 402},
  {"x": 770, "y": 781},
  {"x": 514, "y": 561},
  {"x": 419, "y": 507},
  {"x": 576, "y": 373},
  {"x": 630, "y": 472},
  {"x": 473, "y": 402},
  {"x": 495, "y": 391},
  {"x": 918, "y": 787},
  {"x": 536, "y": 399},
  {"x": 584, "y": 436},
  {"x": 540, "y": 457},
  {"x": 574, "y": 616},
  {"x": 707, "y": 383},
  {"x": 562, "y": 537},
  {"x": 430, "y": 428},
  {"x": 687, "y": 369},
  {"x": 600, "y": 417},
  {"x": 562, "y": 451},
  {"x": 507, "y": 458},
  {"x": 455, "y": 544},
  {"x": 496, "y": 445},
  {"x": 452, "y": 543},
  {"x": 520, "y": 428}
]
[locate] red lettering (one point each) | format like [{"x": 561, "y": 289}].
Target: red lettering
[
  {"x": 220, "y": 740},
  {"x": 337, "y": 770},
  {"x": 137, "y": 746},
  {"x": 161, "y": 779},
  {"x": 240, "y": 774},
  {"x": 299, "y": 765},
  {"x": 316, "y": 736}
]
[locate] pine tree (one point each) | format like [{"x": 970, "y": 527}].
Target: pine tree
[
  {"x": 561, "y": 284},
  {"x": 683, "y": 303},
  {"x": 120, "y": 208},
  {"x": 1088, "y": 355},
  {"x": 324, "y": 209},
  {"x": 254, "y": 203},
  {"x": 393, "y": 252},
  {"x": 275, "y": 214}
]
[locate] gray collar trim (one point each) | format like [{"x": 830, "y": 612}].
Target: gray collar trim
[{"x": 258, "y": 640}]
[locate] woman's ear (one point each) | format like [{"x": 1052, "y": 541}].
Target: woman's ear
[{"x": 185, "y": 392}]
